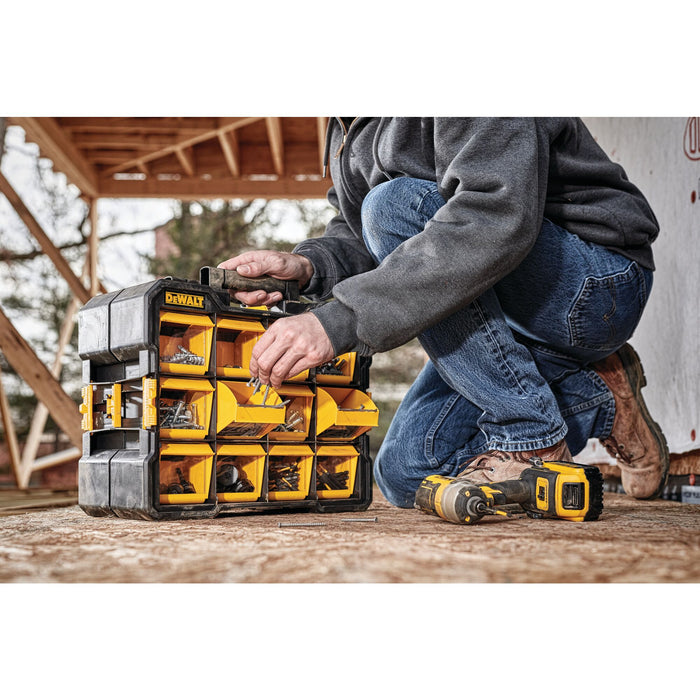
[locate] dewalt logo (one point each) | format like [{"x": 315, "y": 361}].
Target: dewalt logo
[{"x": 193, "y": 301}]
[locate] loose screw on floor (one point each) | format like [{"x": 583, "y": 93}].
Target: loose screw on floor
[
  {"x": 359, "y": 520},
  {"x": 301, "y": 524}
]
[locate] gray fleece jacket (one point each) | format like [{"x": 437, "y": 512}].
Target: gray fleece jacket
[{"x": 499, "y": 178}]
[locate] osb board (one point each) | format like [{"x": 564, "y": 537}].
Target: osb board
[{"x": 634, "y": 541}]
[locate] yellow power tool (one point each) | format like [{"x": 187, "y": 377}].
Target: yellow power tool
[{"x": 547, "y": 489}]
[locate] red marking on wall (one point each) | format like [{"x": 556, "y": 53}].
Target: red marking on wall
[
  {"x": 692, "y": 435},
  {"x": 691, "y": 138},
  {"x": 693, "y": 196}
]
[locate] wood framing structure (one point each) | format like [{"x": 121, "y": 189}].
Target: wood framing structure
[
  {"x": 182, "y": 158},
  {"x": 185, "y": 157}
]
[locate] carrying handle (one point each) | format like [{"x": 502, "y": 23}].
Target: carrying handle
[{"x": 229, "y": 279}]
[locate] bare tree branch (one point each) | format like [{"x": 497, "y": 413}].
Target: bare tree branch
[{"x": 10, "y": 257}]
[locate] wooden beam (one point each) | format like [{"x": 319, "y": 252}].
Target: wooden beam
[
  {"x": 93, "y": 247},
  {"x": 135, "y": 140},
  {"x": 128, "y": 125},
  {"x": 274, "y": 134},
  {"x": 26, "y": 363},
  {"x": 321, "y": 126},
  {"x": 57, "y": 146},
  {"x": 226, "y": 125},
  {"x": 232, "y": 153},
  {"x": 10, "y": 435},
  {"x": 57, "y": 458},
  {"x": 44, "y": 241},
  {"x": 186, "y": 158},
  {"x": 217, "y": 188}
]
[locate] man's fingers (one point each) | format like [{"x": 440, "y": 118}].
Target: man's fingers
[
  {"x": 242, "y": 259},
  {"x": 258, "y": 298},
  {"x": 251, "y": 269},
  {"x": 271, "y": 359},
  {"x": 257, "y": 263},
  {"x": 284, "y": 266},
  {"x": 289, "y": 346},
  {"x": 280, "y": 368}
]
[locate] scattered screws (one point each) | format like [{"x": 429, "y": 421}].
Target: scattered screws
[
  {"x": 301, "y": 524},
  {"x": 359, "y": 520}
]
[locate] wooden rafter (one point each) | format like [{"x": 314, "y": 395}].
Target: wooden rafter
[
  {"x": 44, "y": 241},
  {"x": 26, "y": 363},
  {"x": 45, "y": 132},
  {"x": 166, "y": 156},
  {"x": 274, "y": 135},
  {"x": 231, "y": 150},
  {"x": 226, "y": 125},
  {"x": 186, "y": 158}
]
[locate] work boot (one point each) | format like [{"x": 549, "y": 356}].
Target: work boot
[
  {"x": 636, "y": 441},
  {"x": 498, "y": 465}
]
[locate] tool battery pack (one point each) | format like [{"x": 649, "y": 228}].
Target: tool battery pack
[{"x": 175, "y": 427}]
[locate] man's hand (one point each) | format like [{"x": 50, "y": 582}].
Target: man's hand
[
  {"x": 289, "y": 346},
  {"x": 256, "y": 263}
]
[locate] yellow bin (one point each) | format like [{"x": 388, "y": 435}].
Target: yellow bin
[
  {"x": 183, "y": 464},
  {"x": 184, "y": 332},
  {"x": 302, "y": 457},
  {"x": 339, "y": 371},
  {"x": 251, "y": 463},
  {"x": 297, "y": 414},
  {"x": 344, "y": 414},
  {"x": 196, "y": 395},
  {"x": 335, "y": 460},
  {"x": 241, "y": 414},
  {"x": 235, "y": 340}
]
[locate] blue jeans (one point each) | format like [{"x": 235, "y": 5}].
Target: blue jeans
[{"x": 510, "y": 370}]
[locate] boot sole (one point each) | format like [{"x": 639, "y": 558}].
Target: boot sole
[{"x": 635, "y": 374}]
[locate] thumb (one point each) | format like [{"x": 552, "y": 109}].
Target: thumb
[{"x": 252, "y": 269}]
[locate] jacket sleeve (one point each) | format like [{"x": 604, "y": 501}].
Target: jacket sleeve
[{"x": 492, "y": 174}]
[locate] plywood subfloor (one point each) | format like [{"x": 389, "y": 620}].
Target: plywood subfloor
[{"x": 634, "y": 541}]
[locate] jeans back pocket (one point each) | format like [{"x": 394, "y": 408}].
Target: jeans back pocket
[{"x": 607, "y": 309}]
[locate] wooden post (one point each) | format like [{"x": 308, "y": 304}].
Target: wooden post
[
  {"x": 93, "y": 249},
  {"x": 44, "y": 241},
  {"x": 10, "y": 434},
  {"x": 25, "y": 362}
]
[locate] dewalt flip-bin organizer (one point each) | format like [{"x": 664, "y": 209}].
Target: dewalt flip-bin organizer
[{"x": 174, "y": 426}]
